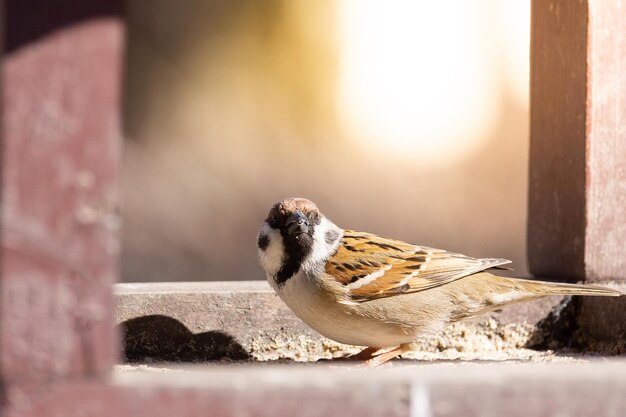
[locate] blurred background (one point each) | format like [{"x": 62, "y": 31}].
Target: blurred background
[{"x": 406, "y": 119}]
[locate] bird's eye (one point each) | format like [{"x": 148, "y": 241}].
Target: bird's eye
[{"x": 275, "y": 218}]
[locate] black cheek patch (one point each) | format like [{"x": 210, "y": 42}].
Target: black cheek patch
[
  {"x": 262, "y": 242},
  {"x": 331, "y": 236}
]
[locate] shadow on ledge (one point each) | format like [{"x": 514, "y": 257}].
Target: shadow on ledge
[
  {"x": 158, "y": 338},
  {"x": 578, "y": 324}
]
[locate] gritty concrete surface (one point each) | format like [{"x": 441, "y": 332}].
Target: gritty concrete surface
[
  {"x": 429, "y": 366},
  {"x": 420, "y": 359},
  {"x": 197, "y": 322}
]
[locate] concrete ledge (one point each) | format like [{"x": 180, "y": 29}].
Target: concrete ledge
[
  {"x": 245, "y": 320},
  {"x": 595, "y": 388},
  {"x": 499, "y": 389}
]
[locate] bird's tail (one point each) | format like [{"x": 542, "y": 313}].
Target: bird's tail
[
  {"x": 558, "y": 288},
  {"x": 497, "y": 292}
]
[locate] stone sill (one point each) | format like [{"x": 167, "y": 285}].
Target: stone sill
[{"x": 245, "y": 320}]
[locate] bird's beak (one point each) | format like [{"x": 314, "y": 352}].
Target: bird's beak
[{"x": 297, "y": 223}]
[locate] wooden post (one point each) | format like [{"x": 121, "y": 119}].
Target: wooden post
[
  {"x": 577, "y": 184},
  {"x": 61, "y": 83}
]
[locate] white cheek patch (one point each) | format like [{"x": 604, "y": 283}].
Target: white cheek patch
[
  {"x": 322, "y": 249},
  {"x": 271, "y": 258}
]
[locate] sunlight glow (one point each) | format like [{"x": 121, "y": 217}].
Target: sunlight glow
[{"x": 415, "y": 77}]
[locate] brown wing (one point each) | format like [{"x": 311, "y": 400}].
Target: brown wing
[{"x": 372, "y": 267}]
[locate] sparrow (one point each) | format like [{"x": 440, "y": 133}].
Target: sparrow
[{"x": 383, "y": 294}]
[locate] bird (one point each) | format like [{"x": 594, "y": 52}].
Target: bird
[{"x": 382, "y": 294}]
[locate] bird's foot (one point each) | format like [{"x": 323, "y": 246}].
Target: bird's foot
[
  {"x": 387, "y": 356},
  {"x": 364, "y": 355}
]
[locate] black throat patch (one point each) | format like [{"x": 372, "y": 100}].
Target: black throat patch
[{"x": 297, "y": 248}]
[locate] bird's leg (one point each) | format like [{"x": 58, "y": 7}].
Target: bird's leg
[
  {"x": 387, "y": 356},
  {"x": 364, "y": 355}
]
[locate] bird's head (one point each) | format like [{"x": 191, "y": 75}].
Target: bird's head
[{"x": 295, "y": 235}]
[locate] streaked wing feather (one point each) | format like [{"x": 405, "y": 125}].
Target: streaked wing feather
[{"x": 373, "y": 267}]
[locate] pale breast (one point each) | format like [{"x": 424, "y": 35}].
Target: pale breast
[{"x": 379, "y": 323}]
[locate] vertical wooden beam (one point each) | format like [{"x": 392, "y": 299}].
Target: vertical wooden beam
[
  {"x": 603, "y": 322},
  {"x": 605, "y": 240},
  {"x": 60, "y": 81},
  {"x": 577, "y": 184}
]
